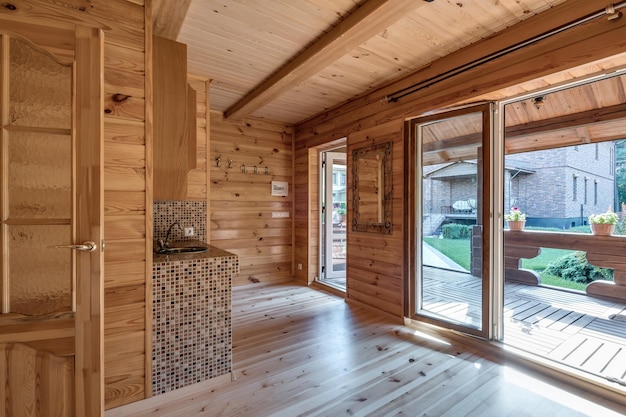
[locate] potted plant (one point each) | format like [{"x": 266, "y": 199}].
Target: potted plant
[
  {"x": 341, "y": 212},
  {"x": 515, "y": 219},
  {"x": 603, "y": 223}
]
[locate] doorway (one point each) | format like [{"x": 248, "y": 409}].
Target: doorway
[
  {"x": 51, "y": 219},
  {"x": 451, "y": 251},
  {"x": 333, "y": 238}
]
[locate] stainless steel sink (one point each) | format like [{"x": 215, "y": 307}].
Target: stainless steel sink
[{"x": 180, "y": 249}]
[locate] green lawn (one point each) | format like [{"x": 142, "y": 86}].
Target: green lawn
[
  {"x": 459, "y": 251},
  {"x": 548, "y": 279},
  {"x": 546, "y": 256},
  {"x": 456, "y": 249}
]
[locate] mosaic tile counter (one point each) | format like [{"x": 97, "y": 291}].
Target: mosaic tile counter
[{"x": 191, "y": 330}]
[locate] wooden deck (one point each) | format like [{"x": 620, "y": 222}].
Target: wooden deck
[
  {"x": 574, "y": 329},
  {"x": 302, "y": 352}
]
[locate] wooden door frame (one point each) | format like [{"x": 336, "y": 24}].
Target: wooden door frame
[
  {"x": 89, "y": 128},
  {"x": 413, "y": 200},
  {"x": 328, "y": 214},
  {"x": 312, "y": 266}
]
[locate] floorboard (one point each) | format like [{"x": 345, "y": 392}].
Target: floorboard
[{"x": 302, "y": 352}]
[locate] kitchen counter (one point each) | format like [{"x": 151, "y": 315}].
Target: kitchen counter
[{"x": 191, "y": 324}]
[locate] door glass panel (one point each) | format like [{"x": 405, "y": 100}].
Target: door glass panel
[
  {"x": 40, "y": 89},
  {"x": 40, "y": 274},
  {"x": 37, "y": 196},
  {"x": 450, "y": 271},
  {"x": 40, "y": 174}
]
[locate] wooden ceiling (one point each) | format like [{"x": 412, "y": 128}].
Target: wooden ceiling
[
  {"x": 291, "y": 60},
  {"x": 585, "y": 113}
]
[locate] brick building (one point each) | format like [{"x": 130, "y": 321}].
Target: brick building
[{"x": 555, "y": 188}]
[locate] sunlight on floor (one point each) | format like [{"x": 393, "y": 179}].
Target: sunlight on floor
[
  {"x": 556, "y": 394},
  {"x": 426, "y": 336}
]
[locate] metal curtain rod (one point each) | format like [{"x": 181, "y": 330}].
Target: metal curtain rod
[{"x": 611, "y": 11}]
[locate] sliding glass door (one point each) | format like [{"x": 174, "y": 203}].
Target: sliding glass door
[{"x": 451, "y": 205}]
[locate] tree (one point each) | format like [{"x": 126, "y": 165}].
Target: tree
[{"x": 620, "y": 173}]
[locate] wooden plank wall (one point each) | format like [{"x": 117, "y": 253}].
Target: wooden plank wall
[
  {"x": 126, "y": 173},
  {"x": 127, "y": 212},
  {"x": 375, "y": 261},
  {"x": 372, "y": 116},
  {"x": 241, "y": 204}
]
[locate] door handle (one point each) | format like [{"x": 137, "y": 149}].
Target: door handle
[{"x": 87, "y": 246}]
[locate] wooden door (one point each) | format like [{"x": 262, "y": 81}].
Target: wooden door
[{"x": 51, "y": 215}]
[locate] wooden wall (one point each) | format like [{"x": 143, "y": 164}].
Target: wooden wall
[
  {"x": 371, "y": 117},
  {"x": 241, "y": 204},
  {"x": 375, "y": 261}
]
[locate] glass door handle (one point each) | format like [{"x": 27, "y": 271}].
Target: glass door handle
[{"x": 87, "y": 246}]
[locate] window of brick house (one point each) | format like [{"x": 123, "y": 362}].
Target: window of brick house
[
  {"x": 595, "y": 192},
  {"x": 575, "y": 188}
]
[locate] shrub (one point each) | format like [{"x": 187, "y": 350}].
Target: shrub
[
  {"x": 455, "y": 231},
  {"x": 575, "y": 267}
]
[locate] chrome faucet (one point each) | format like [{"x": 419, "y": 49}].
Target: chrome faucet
[{"x": 165, "y": 244}]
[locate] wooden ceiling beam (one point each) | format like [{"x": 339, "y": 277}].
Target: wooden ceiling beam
[
  {"x": 168, "y": 17},
  {"x": 364, "y": 23}
]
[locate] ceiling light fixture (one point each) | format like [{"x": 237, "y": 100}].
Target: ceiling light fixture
[{"x": 538, "y": 101}]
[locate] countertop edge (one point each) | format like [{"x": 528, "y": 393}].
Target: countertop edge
[{"x": 211, "y": 252}]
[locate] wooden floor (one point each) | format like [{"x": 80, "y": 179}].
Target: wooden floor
[
  {"x": 304, "y": 352},
  {"x": 586, "y": 333}
]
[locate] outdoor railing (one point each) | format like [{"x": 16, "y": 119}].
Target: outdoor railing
[{"x": 602, "y": 251}]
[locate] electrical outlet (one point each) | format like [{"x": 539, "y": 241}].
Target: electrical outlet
[
  {"x": 188, "y": 231},
  {"x": 300, "y": 266}
]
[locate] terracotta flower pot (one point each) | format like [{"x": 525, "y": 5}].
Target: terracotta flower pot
[
  {"x": 602, "y": 229},
  {"x": 516, "y": 225}
]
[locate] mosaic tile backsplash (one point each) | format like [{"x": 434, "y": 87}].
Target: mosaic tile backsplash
[
  {"x": 191, "y": 335},
  {"x": 186, "y": 213}
]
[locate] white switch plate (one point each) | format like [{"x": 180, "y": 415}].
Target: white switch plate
[
  {"x": 188, "y": 231},
  {"x": 280, "y": 214}
]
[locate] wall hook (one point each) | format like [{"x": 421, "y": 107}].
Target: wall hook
[
  {"x": 255, "y": 169},
  {"x": 217, "y": 161},
  {"x": 267, "y": 170},
  {"x": 230, "y": 163},
  {"x": 243, "y": 169}
]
